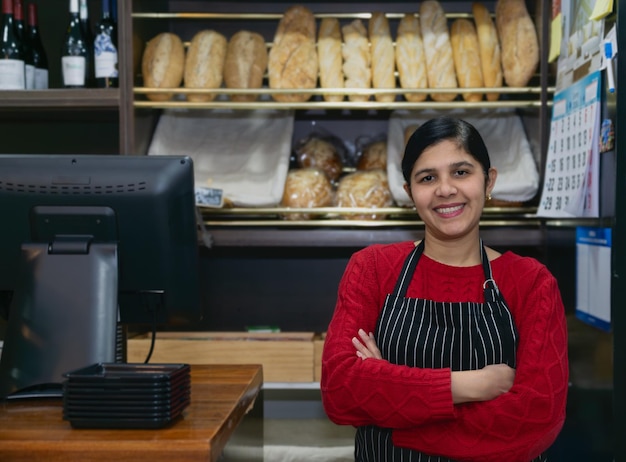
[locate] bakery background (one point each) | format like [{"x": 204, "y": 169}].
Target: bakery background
[
  {"x": 335, "y": 61},
  {"x": 259, "y": 268}
]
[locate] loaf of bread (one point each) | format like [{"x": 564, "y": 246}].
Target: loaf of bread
[
  {"x": 518, "y": 40},
  {"x": 163, "y": 64},
  {"x": 306, "y": 188},
  {"x": 292, "y": 60},
  {"x": 489, "y": 46},
  {"x": 410, "y": 58},
  {"x": 329, "y": 56},
  {"x": 365, "y": 188},
  {"x": 383, "y": 58},
  {"x": 373, "y": 157},
  {"x": 204, "y": 64},
  {"x": 245, "y": 63},
  {"x": 316, "y": 152},
  {"x": 356, "y": 58},
  {"x": 466, "y": 53},
  {"x": 436, "y": 38}
]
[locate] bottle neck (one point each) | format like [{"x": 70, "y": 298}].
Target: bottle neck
[
  {"x": 32, "y": 15},
  {"x": 18, "y": 10},
  {"x": 73, "y": 7},
  {"x": 7, "y": 7}
]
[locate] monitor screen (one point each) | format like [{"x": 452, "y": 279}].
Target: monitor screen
[{"x": 88, "y": 241}]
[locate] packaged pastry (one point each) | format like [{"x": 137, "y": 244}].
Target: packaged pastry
[
  {"x": 364, "y": 188},
  {"x": 204, "y": 64},
  {"x": 306, "y": 188},
  {"x": 323, "y": 152},
  {"x": 162, "y": 64},
  {"x": 372, "y": 153}
]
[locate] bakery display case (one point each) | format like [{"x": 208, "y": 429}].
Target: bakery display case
[{"x": 349, "y": 114}]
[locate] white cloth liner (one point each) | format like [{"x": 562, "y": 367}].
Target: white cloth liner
[
  {"x": 244, "y": 153},
  {"x": 504, "y": 136}
]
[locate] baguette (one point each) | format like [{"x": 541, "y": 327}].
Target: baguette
[
  {"x": 466, "y": 55},
  {"x": 489, "y": 46},
  {"x": 329, "y": 56},
  {"x": 519, "y": 42},
  {"x": 439, "y": 61},
  {"x": 162, "y": 64},
  {"x": 356, "y": 58},
  {"x": 204, "y": 64},
  {"x": 382, "y": 60},
  {"x": 292, "y": 60},
  {"x": 245, "y": 63},
  {"x": 410, "y": 58}
]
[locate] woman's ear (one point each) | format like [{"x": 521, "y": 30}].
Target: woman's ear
[
  {"x": 408, "y": 191},
  {"x": 492, "y": 174}
]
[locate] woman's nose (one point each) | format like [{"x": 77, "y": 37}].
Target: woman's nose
[{"x": 446, "y": 187}]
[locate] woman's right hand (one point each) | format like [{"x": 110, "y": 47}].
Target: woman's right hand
[{"x": 482, "y": 384}]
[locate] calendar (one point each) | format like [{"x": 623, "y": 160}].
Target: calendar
[{"x": 571, "y": 176}]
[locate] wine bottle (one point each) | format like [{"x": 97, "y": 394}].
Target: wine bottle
[
  {"x": 12, "y": 68},
  {"x": 87, "y": 31},
  {"x": 74, "y": 53},
  {"x": 38, "y": 53},
  {"x": 20, "y": 30},
  {"x": 105, "y": 50}
]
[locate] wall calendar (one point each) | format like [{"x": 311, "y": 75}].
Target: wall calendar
[{"x": 572, "y": 166}]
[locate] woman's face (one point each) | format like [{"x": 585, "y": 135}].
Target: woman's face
[{"x": 448, "y": 187}]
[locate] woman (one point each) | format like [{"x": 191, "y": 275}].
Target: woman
[{"x": 445, "y": 349}]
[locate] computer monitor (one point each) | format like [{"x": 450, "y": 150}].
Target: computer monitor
[{"x": 88, "y": 243}]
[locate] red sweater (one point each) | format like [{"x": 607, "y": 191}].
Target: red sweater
[{"x": 417, "y": 403}]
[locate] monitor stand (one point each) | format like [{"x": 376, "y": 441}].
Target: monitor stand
[{"x": 64, "y": 316}]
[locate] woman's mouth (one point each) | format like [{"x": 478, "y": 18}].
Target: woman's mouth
[{"x": 451, "y": 210}]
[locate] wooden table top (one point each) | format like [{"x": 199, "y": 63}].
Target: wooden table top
[{"x": 220, "y": 396}]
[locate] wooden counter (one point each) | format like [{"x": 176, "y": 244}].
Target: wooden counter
[{"x": 220, "y": 397}]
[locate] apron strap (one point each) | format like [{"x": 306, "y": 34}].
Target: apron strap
[{"x": 404, "y": 280}]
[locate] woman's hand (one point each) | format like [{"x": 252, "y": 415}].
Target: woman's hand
[
  {"x": 483, "y": 384},
  {"x": 366, "y": 346}
]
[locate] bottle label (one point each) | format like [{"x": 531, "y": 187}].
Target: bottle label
[
  {"x": 30, "y": 77},
  {"x": 105, "y": 56},
  {"x": 73, "y": 71},
  {"x": 41, "y": 79},
  {"x": 12, "y": 74}
]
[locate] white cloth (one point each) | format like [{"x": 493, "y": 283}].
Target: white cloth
[
  {"x": 244, "y": 153},
  {"x": 504, "y": 136}
]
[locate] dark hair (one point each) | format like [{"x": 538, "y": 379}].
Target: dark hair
[{"x": 437, "y": 130}]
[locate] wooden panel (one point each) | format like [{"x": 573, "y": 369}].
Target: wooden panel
[{"x": 286, "y": 357}]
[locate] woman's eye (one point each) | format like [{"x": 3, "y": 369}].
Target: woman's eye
[
  {"x": 426, "y": 179},
  {"x": 461, "y": 172}
]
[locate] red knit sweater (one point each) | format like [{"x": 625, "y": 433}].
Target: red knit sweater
[{"x": 417, "y": 403}]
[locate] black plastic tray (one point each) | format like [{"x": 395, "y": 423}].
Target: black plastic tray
[{"x": 128, "y": 373}]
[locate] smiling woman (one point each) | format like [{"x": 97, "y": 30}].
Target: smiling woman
[{"x": 462, "y": 356}]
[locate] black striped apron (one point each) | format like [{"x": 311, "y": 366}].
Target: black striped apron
[{"x": 427, "y": 334}]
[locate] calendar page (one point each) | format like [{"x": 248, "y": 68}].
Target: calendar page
[{"x": 571, "y": 177}]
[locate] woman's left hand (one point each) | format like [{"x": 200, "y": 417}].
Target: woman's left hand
[{"x": 366, "y": 346}]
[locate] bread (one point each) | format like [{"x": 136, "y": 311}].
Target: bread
[
  {"x": 329, "y": 56},
  {"x": 383, "y": 58},
  {"x": 518, "y": 40},
  {"x": 356, "y": 58},
  {"x": 306, "y": 188},
  {"x": 245, "y": 63},
  {"x": 410, "y": 57},
  {"x": 292, "y": 60},
  {"x": 366, "y": 188},
  {"x": 373, "y": 157},
  {"x": 204, "y": 64},
  {"x": 319, "y": 153},
  {"x": 162, "y": 64},
  {"x": 466, "y": 53},
  {"x": 489, "y": 47},
  {"x": 436, "y": 38}
]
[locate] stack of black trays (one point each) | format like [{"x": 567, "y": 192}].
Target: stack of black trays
[{"x": 111, "y": 395}]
